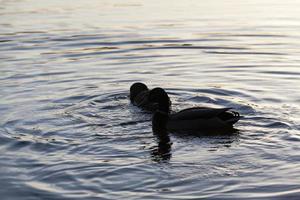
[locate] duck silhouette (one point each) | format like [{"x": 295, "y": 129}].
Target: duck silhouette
[
  {"x": 194, "y": 119},
  {"x": 140, "y": 93}
]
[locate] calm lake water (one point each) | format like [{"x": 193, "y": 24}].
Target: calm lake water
[{"x": 68, "y": 130}]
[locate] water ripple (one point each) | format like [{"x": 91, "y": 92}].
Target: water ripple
[{"x": 68, "y": 130}]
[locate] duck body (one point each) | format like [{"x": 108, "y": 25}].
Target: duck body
[
  {"x": 196, "y": 119},
  {"x": 140, "y": 96}
]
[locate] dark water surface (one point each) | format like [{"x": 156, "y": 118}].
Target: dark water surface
[{"x": 68, "y": 131}]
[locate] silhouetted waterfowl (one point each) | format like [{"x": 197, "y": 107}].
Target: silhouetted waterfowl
[
  {"x": 191, "y": 119},
  {"x": 139, "y": 96}
]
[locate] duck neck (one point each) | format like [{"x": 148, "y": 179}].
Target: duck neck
[
  {"x": 164, "y": 107},
  {"x": 159, "y": 121}
]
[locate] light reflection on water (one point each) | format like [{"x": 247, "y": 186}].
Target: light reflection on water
[{"x": 67, "y": 129}]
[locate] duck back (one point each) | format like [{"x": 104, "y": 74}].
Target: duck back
[
  {"x": 199, "y": 124},
  {"x": 202, "y": 118},
  {"x": 198, "y": 112}
]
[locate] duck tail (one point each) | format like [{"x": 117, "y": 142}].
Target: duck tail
[
  {"x": 230, "y": 117},
  {"x": 235, "y": 117}
]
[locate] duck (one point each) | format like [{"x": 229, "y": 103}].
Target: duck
[
  {"x": 139, "y": 96},
  {"x": 195, "y": 119}
]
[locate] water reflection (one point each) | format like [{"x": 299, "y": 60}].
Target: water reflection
[
  {"x": 162, "y": 152},
  {"x": 215, "y": 140}
]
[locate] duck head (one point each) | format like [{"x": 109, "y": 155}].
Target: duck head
[
  {"x": 137, "y": 88},
  {"x": 159, "y": 96}
]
